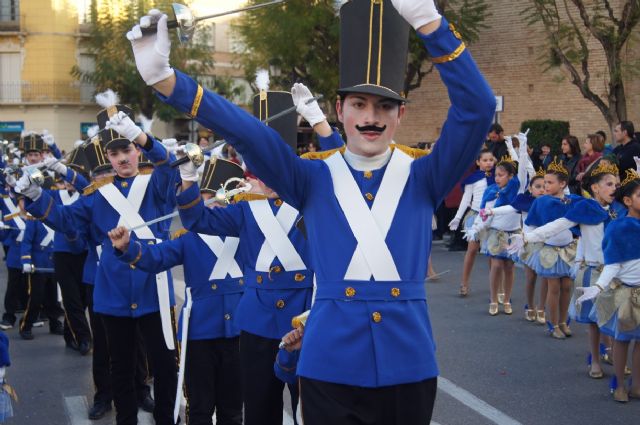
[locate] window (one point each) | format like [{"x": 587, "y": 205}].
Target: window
[
  {"x": 9, "y": 10},
  {"x": 10, "y": 86}
]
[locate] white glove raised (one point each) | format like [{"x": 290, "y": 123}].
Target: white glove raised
[
  {"x": 311, "y": 111},
  {"x": 27, "y": 268},
  {"x": 55, "y": 165},
  {"x": 25, "y": 186},
  {"x": 453, "y": 224},
  {"x": 151, "y": 51},
  {"x": 48, "y": 138},
  {"x": 188, "y": 172},
  {"x": 124, "y": 126},
  {"x": 11, "y": 181},
  {"x": 636, "y": 159},
  {"x": 522, "y": 137},
  {"x": 171, "y": 145},
  {"x": 586, "y": 294},
  {"x": 508, "y": 141},
  {"x": 417, "y": 12},
  {"x": 516, "y": 245}
]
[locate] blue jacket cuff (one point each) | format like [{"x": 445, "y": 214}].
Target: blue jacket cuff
[
  {"x": 442, "y": 42},
  {"x": 188, "y": 197}
]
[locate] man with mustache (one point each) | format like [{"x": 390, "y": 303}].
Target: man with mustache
[{"x": 368, "y": 354}]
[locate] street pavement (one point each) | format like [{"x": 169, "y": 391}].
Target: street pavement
[{"x": 494, "y": 370}]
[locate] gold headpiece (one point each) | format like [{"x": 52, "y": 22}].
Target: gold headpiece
[
  {"x": 603, "y": 168},
  {"x": 557, "y": 167},
  {"x": 541, "y": 172},
  {"x": 630, "y": 176},
  {"x": 506, "y": 159}
]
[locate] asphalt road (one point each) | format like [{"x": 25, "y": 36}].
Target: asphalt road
[{"x": 494, "y": 370}]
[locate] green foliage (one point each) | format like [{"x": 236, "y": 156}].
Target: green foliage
[
  {"x": 545, "y": 131},
  {"x": 114, "y": 63},
  {"x": 301, "y": 39}
]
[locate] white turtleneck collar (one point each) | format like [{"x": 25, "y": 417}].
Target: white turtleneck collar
[{"x": 367, "y": 163}]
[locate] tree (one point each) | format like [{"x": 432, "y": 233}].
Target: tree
[
  {"x": 114, "y": 63},
  {"x": 301, "y": 40},
  {"x": 570, "y": 25}
]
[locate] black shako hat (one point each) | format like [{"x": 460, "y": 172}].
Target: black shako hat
[
  {"x": 216, "y": 173},
  {"x": 267, "y": 104},
  {"x": 113, "y": 140},
  {"x": 78, "y": 161},
  {"x": 96, "y": 154},
  {"x": 374, "y": 44},
  {"x": 32, "y": 142}
]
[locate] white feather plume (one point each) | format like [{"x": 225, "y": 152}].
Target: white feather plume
[
  {"x": 146, "y": 123},
  {"x": 92, "y": 131},
  {"x": 107, "y": 98},
  {"x": 78, "y": 143},
  {"x": 262, "y": 79}
]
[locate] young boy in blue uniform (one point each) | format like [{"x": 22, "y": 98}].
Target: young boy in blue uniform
[
  {"x": 127, "y": 298},
  {"x": 368, "y": 354}
]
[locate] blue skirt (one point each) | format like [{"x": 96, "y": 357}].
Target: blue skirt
[
  {"x": 469, "y": 218},
  {"x": 611, "y": 328},
  {"x": 560, "y": 269},
  {"x": 582, "y": 314}
]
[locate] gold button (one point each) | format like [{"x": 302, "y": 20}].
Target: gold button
[
  {"x": 299, "y": 277},
  {"x": 131, "y": 266},
  {"x": 214, "y": 286},
  {"x": 227, "y": 316},
  {"x": 395, "y": 292},
  {"x": 368, "y": 174},
  {"x": 349, "y": 292},
  {"x": 134, "y": 306},
  {"x": 150, "y": 243},
  {"x": 241, "y": 282},
  {"x": 280, "y": 304},
  {"x": 277, "y": 202},
  {"x": 124, "y": 184},
  {"x": 277, "y": 269},
  {"x": 259, "y": 279},
  {"x": 376, "y": 316},
  {"x": 368, "y": 196}
]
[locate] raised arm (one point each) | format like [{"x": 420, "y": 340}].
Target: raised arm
[{"x": 196, "y": 217}]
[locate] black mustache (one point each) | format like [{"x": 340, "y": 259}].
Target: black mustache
[
  {"x": 371, "y": 128},
  {"x": 124, "y": 161}
]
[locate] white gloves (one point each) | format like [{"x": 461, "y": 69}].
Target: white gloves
[
  {"x": 27, "y": 268},
  {"x": 171, "y": 145},
  {"x": 188, "y": 172},
  {"x": 522, "y": 137},
  {"x": 417, "y": 12},
  {"x": 4, "y": 226},
  {"x": 586, "y": 294},
  {"x": 11, "y": 181},
  {"x": 636, "y": 159},
  {"x": 152, "y": 51},
  {"x": 470, "y": 235},
  {"x": 28, "y": 188},
  {"x": 453, "y": 224},
  {"x": 516, "y": 246},
  {"x": 311, "y": 111},
  {"x": 124, "y": 126},
  {"x": 55, "y": 165},
  {"x": 48, "y": 138}
]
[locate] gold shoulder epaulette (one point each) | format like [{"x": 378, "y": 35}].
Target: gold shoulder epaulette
[
  {"x": 178, "y": 233},
  {"x": 145, "y": 171},
  {"x": 412, "y": 152},
  {"x": 249, "y": 197},
  {"x": 322, "y": 155},
  {"x": 97, "y": 185}
]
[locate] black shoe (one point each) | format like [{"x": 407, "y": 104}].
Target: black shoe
[
  {"x": 99, "y": 409},
  {"x": 26, "y": 334},
  {"x": 84, "y": 348},
  {"x": 5, "y": 325},
  {"x": 56, "y": 328},
  {"x": 147, "y": 403},
  {"x": 72, "y": 344}
]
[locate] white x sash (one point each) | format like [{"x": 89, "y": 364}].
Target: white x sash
[
  {"x": 66, "y": 199},
  {"x": 128, "y": 208},
  {"x": 370, "y": 227},
  {"x": 225, "y": 251},
  {"x": 48, "y": 237},
  {"x": 276, "y": 240},
  {"x": 16, "y": 219}
]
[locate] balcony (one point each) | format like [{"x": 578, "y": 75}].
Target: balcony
[
  {"x": 45, "y": 93},
  {"x": 10, "y": 20}
]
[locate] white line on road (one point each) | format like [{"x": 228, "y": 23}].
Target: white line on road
[
  {"x": 474, "y": 403},
  {"x": 76, "y": 408}
]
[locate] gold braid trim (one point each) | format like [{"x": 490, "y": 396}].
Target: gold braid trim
[
  {"x": 135, "y": 260},
  {"x": 190, "y": 204},
  {"x": 412, "y": 152},
  {"x": 249, "y": 197},
  {"x": 322, "y": 155},
  {"x": 93, "y": 187},
  {"x": 196, "y": 101},
  {"x": 146, "y": 171},
  {"x": 451, "y": 56},
  {"x": 46, "y": 213},
  {"x": 11, "y": 216},
  {"x": 164, "y": 161},
  {"x": 178, "y": 233}
]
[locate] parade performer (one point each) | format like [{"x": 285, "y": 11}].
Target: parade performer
[
  {"x": 473, "y": 188},
  {"x": 368, "y": 350},
  {"x": 617, "y": 290},
  {"x": 555, "y": 259},
  {"x": 127, "y": 298}
]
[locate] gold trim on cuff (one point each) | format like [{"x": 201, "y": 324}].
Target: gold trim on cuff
[
  {"x": 196, "y": 101},
  {"x": 46, "y": 213},
  {"x": 135, "y": 260},
  {"x": 164, "y": 161},
  {"x": 452, "y": 56},
  {"x": 190, "y": 204}
]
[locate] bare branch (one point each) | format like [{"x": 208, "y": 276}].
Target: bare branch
[{"x": 612, "y": 16}]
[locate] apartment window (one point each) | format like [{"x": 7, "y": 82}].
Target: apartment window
[
  {"x": 87, "y": 63},
  {"x": 9, "y": 10},
  {"x": 10, "y": 87}
]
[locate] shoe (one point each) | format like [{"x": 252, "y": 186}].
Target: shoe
[
  {"x": 500, "y": 298},
  {"x": 621, "y": 395},
  {"x": 493, "y": 309},
  {"x": 540, "y": 317},
  {"x": 506, "y": 307},
  {"x": 565, "y": 329},
  {"x": 607, "y": 357},
  {"x": 38, "y": 323},
  {"x": 627, "y": 371},
  {"x": 557, "y": 333},
  {"x": 26, "y": 334},
  {"x": 530, "y": 315},
  {"x": 56, "y": 328},
  {"x": 84, "y": 348},
  {"x": 99, "y": 409},
  {"x": 595, "y": 375},
  {"x": 464, "y": 291},
  {"x": 147, "y": 403},
  {"x": 72, "y": 344},
  {"x": 5, "y": 325}
]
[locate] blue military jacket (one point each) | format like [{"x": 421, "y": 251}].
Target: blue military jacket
[
  {"x": 214, "y": 301},
  {"x": 37, "y": 246},
  {"x": 382, "y": 327},
  {"x": 74, "y": 243},
  {"x": 271, "y": 299},
  {"x": 120, "y": 290}
]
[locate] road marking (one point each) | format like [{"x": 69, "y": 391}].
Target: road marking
[
  {"x": 76, "y": 408},
  {"x": 474, "y": 403},
  {"x": 145, "y": 418}
]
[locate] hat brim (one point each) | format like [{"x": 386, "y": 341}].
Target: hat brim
[
  {"x": 372, "y": 89},
  {"x": 117, "y": 144}
]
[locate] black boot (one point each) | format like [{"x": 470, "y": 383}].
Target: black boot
[{"x": 99, "y": 409}]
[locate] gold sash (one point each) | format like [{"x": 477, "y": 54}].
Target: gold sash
[{"x": 621, "y": 300}]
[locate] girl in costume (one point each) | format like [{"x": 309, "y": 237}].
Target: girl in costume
[
  {"x": 473, "y": 188},
  {"x": 555, "y": 259},
  {"x": 617, "y": 290}
]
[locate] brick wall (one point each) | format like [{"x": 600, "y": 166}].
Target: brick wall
[{"x": 507, "y": 53}]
